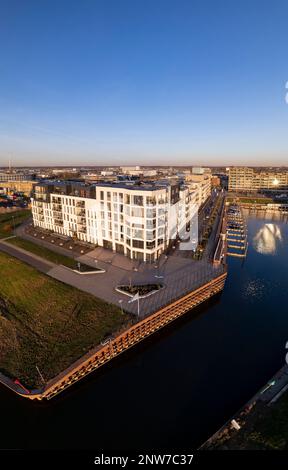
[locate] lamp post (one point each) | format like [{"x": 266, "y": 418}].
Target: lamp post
[{"x": 13, "y": 221}]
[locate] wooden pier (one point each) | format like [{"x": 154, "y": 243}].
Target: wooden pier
[{"x": 236, "y": 232}]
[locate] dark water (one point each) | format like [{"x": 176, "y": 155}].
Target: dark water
[{"x": 177, "y": 388}]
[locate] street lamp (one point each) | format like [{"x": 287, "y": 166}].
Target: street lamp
[
  {"x": 120, "y": 302},
  {"x": 13, "y": 220}
]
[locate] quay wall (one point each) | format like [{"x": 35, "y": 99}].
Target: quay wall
[{"x": 124, "y": 341}]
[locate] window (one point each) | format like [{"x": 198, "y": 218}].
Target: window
[
  {"x": 138, "y": 200},
  {"x": 150, "y": 201},
  {"x": 150, "y": 245},
  {"x": 151, "y": 213},
  {"x": 137, "y": 212},
  {"x": 138, "y": 244},
  {"x": 150, "y": 224},
  {"x": 150, "y": 235}
]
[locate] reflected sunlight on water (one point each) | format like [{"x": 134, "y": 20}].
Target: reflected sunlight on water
[
  {"x": 255, "y": 290},
  {"x": 265, "y": 240}
]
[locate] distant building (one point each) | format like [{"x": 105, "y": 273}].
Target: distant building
[
  {"x": 13, "y": 181},
  {"x": 137, "y": 220},
  {"x": 197, "y": 170},
  {"x": 215, "y": 181},
  {"x": 202, "y": 182},
  {"x": 24, "y": 187},
  {"x": 14, "y": 176},
  {"x": 251, "y": 179},
  {"x": 129, "y": 169}
]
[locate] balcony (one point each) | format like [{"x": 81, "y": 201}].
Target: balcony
[
  {"x": 57, "y": 207},
  {"x": 57, "y": 215},
  {"x": 80, "y": 211},
  {"x": 58, "y": 222}
]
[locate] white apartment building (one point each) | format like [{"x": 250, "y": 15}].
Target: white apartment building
[
  {"x": 137, "y": 220},
  {"x": 202, "y": 183}
]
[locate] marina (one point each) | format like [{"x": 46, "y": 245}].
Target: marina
[{"x": 237, "y": 244}]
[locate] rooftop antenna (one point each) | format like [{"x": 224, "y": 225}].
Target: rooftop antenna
[{"x": 9, "y": 164}]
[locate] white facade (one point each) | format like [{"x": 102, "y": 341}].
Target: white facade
[
  {"x": 134, "y": 220},
  {"x": 202, "y": 183}
]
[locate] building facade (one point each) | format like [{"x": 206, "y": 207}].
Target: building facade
[
  {"x": 13, "y": 177},
  {"x": 251, "y": 179},
  {"x": 202, "y": 182},
  {"x": 137, "y": 220}
]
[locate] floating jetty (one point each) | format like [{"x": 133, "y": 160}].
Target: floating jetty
[{"x": 237, "y": 244}]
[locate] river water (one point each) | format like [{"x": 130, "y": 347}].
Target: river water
[{"x": 177, "y": 388}]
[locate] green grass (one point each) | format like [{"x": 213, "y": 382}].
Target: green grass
[
  {"x": 266, "y": 428},
  {"x": 43, "y": 252},
  {"x": 256, "y": 201},
  {"x": 46, "y": 323},
  {"x": 251, "y": 200},
  {"x": 270, "y": 428},
  {"x": 12, "y": 219}
]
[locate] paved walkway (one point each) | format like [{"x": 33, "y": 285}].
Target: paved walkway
[
  {"x": 36, "y": 261},
  {"x": 178, "y": 275}
]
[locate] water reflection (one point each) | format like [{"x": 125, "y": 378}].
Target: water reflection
[
  {"x": 265, "y": 240},
  {"x": 254, "y": 290}
]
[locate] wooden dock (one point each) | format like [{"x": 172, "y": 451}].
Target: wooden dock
[{"x": 237, "y": 244}]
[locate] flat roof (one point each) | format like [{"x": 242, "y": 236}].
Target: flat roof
[{"x": 136, "y": 186}]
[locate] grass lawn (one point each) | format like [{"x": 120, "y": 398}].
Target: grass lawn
[
  {"x": 266, "y": 428},
  {"x": 12, "y": 219},
  {"x": 43, "y": 252},
  {"x": 251, "y": 200},
  {"x": 46, "y": 323},
  {"x": 256, "y": 201}
]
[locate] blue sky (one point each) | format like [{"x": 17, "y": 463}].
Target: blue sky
[{"x": 143, "y": 82}]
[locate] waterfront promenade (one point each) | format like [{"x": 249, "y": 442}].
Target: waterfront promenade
[
  {"x": 185, "y": 284},
  {"x": 178, "y": 276}
]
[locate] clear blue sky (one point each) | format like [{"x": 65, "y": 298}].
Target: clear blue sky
[{"x": 143, "y": 82}]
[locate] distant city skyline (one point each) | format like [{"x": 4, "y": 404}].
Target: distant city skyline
[{"x": 147, "y": 83}]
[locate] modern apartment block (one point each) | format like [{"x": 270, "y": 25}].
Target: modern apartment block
[
  {"x": 203, "y": 184},
  {"x": 250, "y": 179},
  {"x": 137, "y": 220},
  {"x": 12, "y": 177}
]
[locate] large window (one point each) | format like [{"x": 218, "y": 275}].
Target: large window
[
  {"x": 150, "y": 235},
  {"x": 138, "y": 200},
  {"x": 137, "y": 212},
  {"x": 150, "y": 245},
  {"x": 151, "y": 213},
  {"x": 150, "y": 224},
  {"x": 150, "y": 201},
  {"x": 138, "y": 244}
]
